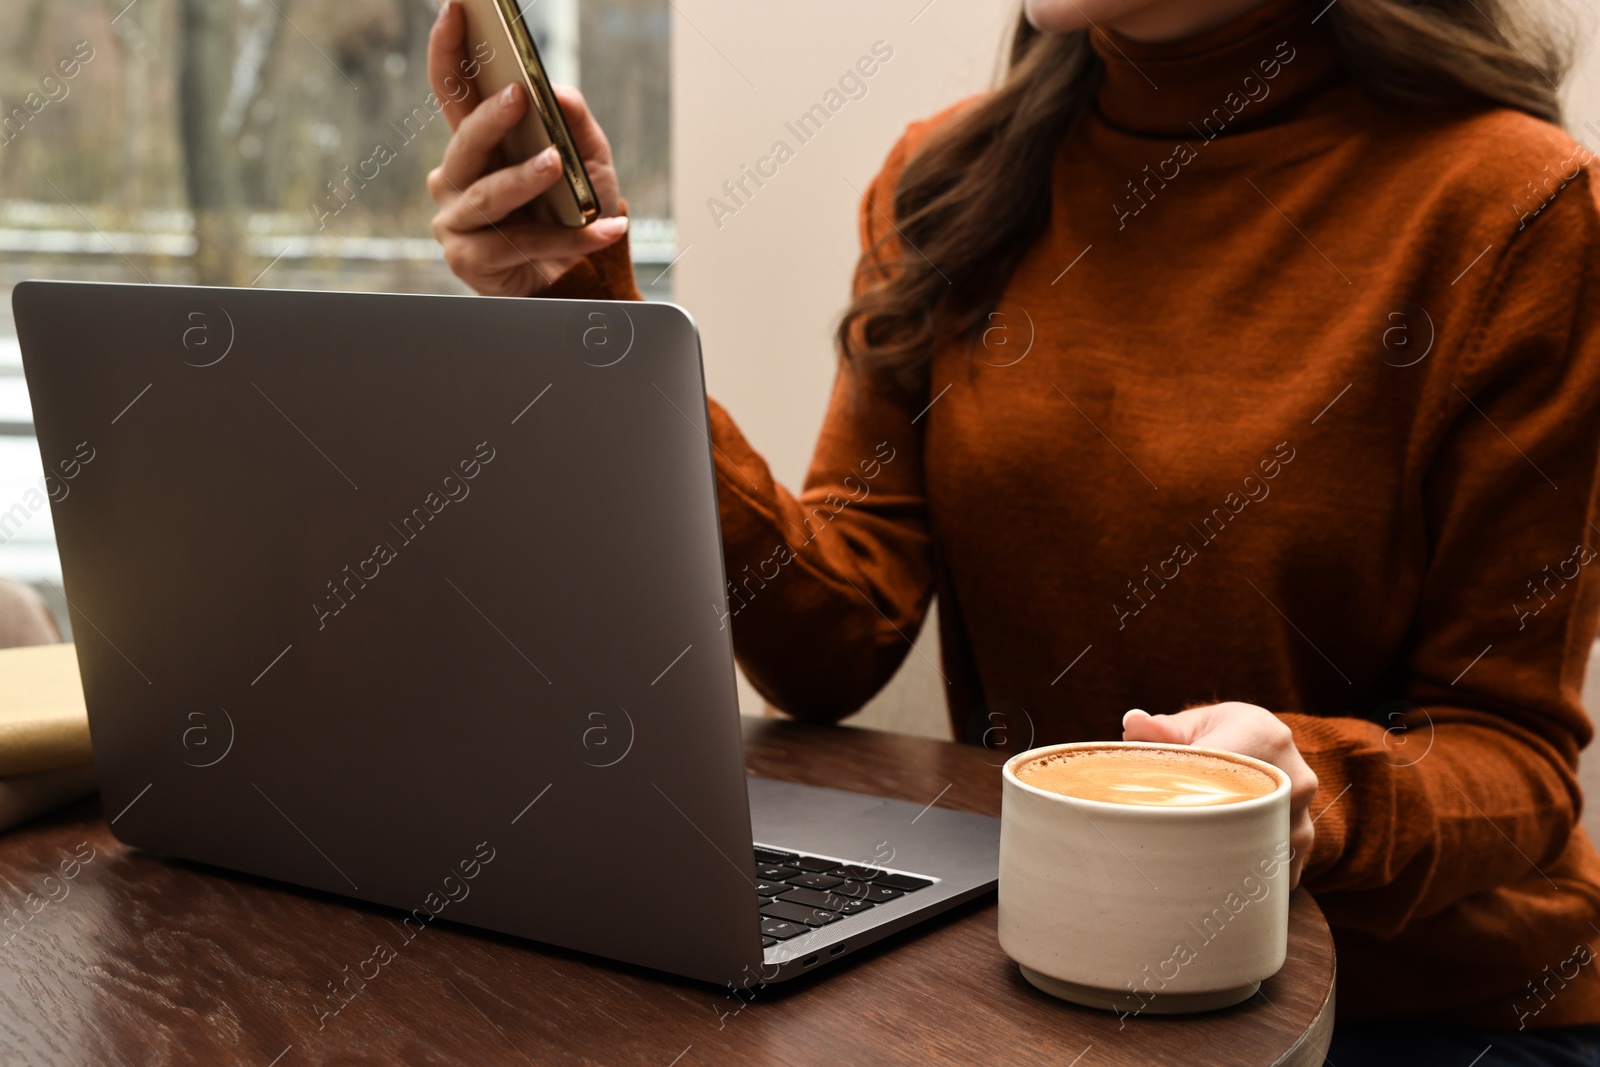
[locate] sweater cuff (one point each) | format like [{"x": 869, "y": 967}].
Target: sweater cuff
[
  {"x": 1325, "y": 743},
  {"x": 603, "y": 275}
]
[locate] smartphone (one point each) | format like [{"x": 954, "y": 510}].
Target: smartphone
[{"x": 513, "y": 59}]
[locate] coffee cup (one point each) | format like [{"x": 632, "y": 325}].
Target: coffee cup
[{"x": 1140, "y": 877}]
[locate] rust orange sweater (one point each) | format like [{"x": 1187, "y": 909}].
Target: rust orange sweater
[{"x": 1296, "y": 401}]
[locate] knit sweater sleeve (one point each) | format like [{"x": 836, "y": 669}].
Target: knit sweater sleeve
[
  {"x": 828, "y": 587},
  {"x": 1471, "y": 784}
]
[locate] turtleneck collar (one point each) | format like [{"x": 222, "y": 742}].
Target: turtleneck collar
[{"x": 1249, "y": 72}]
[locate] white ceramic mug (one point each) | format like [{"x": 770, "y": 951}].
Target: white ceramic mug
[{"x": 1135, "y": 908}]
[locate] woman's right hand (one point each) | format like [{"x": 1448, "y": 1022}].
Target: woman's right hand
[{"x": 495, "y": 255}]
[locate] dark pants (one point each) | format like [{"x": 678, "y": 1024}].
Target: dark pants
[{"x": 1398, "y": 1044}]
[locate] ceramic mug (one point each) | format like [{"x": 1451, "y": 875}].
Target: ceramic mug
[{"x": 1134, "y": 908}]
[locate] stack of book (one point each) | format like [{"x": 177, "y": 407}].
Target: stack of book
[{"x": 45, "y": 758}]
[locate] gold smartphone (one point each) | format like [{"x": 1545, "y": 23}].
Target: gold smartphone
[{"x": 514, "y": 60}]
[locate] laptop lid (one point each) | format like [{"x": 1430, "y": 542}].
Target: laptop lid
[{"x": 414, "y": 599}]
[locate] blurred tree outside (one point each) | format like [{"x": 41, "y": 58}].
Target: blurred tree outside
[{"x": 211, "y": 165}]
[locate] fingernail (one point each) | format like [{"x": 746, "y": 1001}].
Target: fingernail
[
  {"x": 546, "y": 161},
  {"x": 444, "y": 9},
  {"x": 1132, "y": 711},
  {"x": 610, "y": 228},
  {"x": 508, "y": 96}
]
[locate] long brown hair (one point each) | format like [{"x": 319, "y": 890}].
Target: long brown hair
[{"x": 958, "y": 249}]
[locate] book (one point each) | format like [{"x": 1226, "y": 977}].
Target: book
[
  {"x": 44, "y": 725},
  {"x": 25, "y": 796}
]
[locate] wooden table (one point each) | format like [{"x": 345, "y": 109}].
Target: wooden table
[{"x": 140, "y": 960}]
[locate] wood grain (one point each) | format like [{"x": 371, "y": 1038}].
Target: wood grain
[{"x": 140, "y": 960}]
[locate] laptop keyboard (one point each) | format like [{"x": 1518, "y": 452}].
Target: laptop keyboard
[{"x": 800, "y": 893}]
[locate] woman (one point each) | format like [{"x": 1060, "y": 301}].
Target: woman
[{"x": 1293, "y": 441}]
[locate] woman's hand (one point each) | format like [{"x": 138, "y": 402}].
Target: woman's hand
[
  {"x": 1250, "y": 731},
  {"x": 495, "y": 255}
]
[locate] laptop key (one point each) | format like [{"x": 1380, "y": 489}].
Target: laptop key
[
  {"x": 830, "y": 901},
  {"x": 813, "y": 863},
  {"x": 857, "y": 871},
  {"x": 851, "y": 907},
  {"x": 772, "y": 855},
  {"x": 771, "y": 872},
  {"x": 871, "y": 892},
  {"x": 780, "y": 930},
  {"x": 795, "y": 913},
  {"x": 902, "y": 881},
  {"x": 814, "y": 881},
  {"x": 768, "y": 942},
  {"x": 770, "y": 889}
]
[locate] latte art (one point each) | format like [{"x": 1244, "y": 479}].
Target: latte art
[{"x": 1161, "y": 778}]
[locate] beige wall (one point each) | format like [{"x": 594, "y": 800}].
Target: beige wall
[
  {"x": 767, "y": 281},
  {"x": 1583, "y": 89}
]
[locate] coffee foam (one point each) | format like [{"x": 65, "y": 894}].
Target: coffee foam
[{"x": 1147, "y": 777}]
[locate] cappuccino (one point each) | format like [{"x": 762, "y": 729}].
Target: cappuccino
[{"x": 1150, "y": 777}]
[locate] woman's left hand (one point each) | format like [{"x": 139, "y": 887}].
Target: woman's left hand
[{"x": 1250, "y": 731}]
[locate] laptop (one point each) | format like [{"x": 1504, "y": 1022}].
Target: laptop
[{"x": 420, "y": 600}]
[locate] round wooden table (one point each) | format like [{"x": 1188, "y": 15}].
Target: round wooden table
[{"x": 142, "y": 960}]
